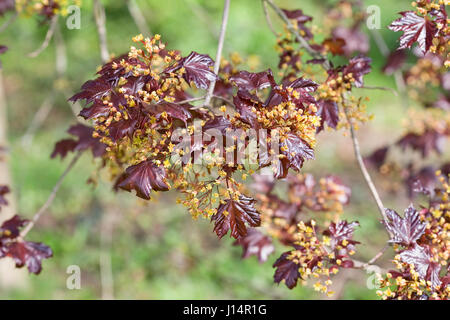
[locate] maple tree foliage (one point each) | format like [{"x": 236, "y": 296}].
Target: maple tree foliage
[
  {"x": 406, "y": 230},
  {"x": 145, "y": 121},
  {"x": 24, "y": 253},
  {"x": 233, "y": 215}
]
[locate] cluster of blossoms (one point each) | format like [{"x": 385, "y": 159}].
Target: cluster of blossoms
[
  {"x": 337, "y": 82},
  {"x": 316, "y": 257},
  {"x": 151, "y": 138},
  {"x": 421, "y": 241},
  {"x": 316, "y": 254},
  {"x": 152, "y": 134},
  {"x": 427, "y": 83}
]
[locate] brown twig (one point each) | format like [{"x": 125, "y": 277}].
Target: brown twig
[
  {"x": 378, "y": 255},
  {"x": 50, "y": 199},
  {"x": 223, "y": 29},
  {"x": 362, "y": 166},
  {"x": 326, "y": 66},
  {"x": 100, "y": 20},
  {"x": 48, "y": 38},
  {"x": 268, "y": 20}
]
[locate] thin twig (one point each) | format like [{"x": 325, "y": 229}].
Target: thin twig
[
  {"x": 50, "y": 199},
  {"x": 367, "y": 266},
  {"x": 8, "y": 22},
  {"x": 380, "y": 88},
  {"x": 326, "y": 65},
  {"x": 48, "y": 38},
  {"x": 223, "y": 29},
  {"x": 191, "y": 100},
  {"x": 362, "y": 166},
  {"x": 100, "y": 20},
  {"x": 138, "y": 18},
  {"x": 378, "y": 255},
  {"x": 268, "y": 20}
]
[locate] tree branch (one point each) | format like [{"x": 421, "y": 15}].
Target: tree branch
[
  {"x": 223, "y": 29},
  {"x": 100, "y": 20},
  {"x": 268, "y": 20},
  {"x": 362, "y": 166},
  {"x": 48, "y": 38},
  {"x": 326, "y": 65},
  {"x": 50, "y": 199}
]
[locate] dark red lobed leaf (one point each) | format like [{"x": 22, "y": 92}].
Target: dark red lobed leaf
[
  {"x": 63, "y": 147},
  {"x": 255, "y": 243},
  {"x": 244, "y": 102},
  {"x": 173, "y": 110},
  {"x": 329, "y": 113},
  {"x": 300, "y": 19},
  {"x": 425, "y": 143},
  {"x": 423, "y": 264},
  {"x": 358, "y": 67},
  {"x": 29, "y": 254},
  {"x": 197, "y": 69},
  {"x": 96, "y": 110},
  {"x": 93, "y": 89},
  {"x": 235, "y": 215},
  {"x": 122, "y": 128},
  {"x": 85, "y": 141},
  {"x": 143, "y": 178},
  {"x": 340, "y": 231},
  {"x": 297, "y": 151},
  {"x": 11, "y": 228},
  {"x": 252, "y": 81},
  {"x": 286, "y": 270},
  {"x": 415, "y": 29},
  {"x": 407, "y": 230}
]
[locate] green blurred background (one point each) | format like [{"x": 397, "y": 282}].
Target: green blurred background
[{"x": 157, "y": 251}]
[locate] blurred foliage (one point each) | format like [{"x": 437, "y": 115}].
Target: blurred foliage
[{"x": 157, "y": 250}]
